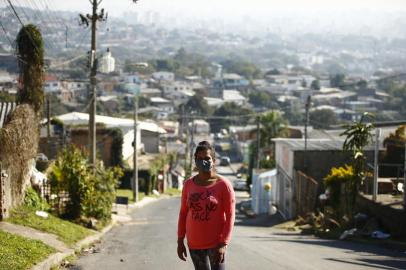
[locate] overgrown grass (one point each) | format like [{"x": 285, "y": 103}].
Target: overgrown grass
[
  {"x": 68, "y": 232},
  {"x": 17, "y": 252}
]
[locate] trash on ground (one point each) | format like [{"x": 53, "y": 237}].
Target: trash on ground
[
  {"x": 347, "y": 233},
  {"x": 42, "y": 214},
  {"x": 380, "y": 235}
]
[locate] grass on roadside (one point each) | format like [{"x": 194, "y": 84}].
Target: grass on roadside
[
  {"x": 17, "y": 252},
  {"x": 67, "y": 232}
]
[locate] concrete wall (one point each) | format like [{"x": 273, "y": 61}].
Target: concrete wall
[
  {"x": 391, "y": 219},
  {"x": 150, "y": 141}
]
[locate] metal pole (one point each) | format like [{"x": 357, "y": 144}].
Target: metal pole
[
  {"x": 376, "y": 165},
  {"x": 135, "y": 155},
  {"x": 258, "y": 141},
  {"x": 92, "y": 109}
]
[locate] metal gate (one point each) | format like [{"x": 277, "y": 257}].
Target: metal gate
[{"x": 285, "y": 194}]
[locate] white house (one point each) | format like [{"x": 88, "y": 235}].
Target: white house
[
  {"x": 234, "y": 96},
  {"x": 147, "y": 130},
  {"x": 107, "y": 63},
  {"x": 163, "y": 76}
]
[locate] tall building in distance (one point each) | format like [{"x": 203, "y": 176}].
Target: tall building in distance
[{"x": 107, "y": 63}]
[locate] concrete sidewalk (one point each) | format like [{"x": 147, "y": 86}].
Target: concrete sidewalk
[{"x": 121, "y": 216}]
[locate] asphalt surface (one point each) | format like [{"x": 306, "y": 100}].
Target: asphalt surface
[{"x": 148, "y": 242}]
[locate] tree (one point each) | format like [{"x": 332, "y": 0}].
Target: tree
[
  {"x": 395, "y": 146},
  {"x": 273, "y": 72},
  {"x": 337, "y": 80},
  {"x": 358, "y": 136},
  {"x": 261, "y": 99},
  {"x": 246, "y": 69},
  {"x": 315, "y": 85},
  {"x": 322, "y": 119},
  {"x": 30, "y": 50},
  {"x": 228, "y": 114},
  {"x": 198, "y": 105},
  {"x": 273, "y": 125}
]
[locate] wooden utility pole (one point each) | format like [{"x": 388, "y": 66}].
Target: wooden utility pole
[
  {"x": 376, "y": 165},
  {"x": 92, "y": 20},
  {"x": 404, "y": 180},
  {"x": 258, "y": 140},
  {"x": 135, "y": 155},
  {"x": 308, "y": 102}
]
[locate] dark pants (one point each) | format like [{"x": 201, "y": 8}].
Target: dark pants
[{"x": 204, "y": 259}]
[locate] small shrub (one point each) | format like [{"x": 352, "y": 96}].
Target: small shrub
[
  {"x": 33, "y": 200},
  {"x": 91, "y": 195}
]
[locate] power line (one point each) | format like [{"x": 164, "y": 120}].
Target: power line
[
  {"x": 5, "y": 32},
  {"x": 22, "y": 24}
]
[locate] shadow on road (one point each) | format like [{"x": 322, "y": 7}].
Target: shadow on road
[
  {"x": 264, "y": 220},
  {"x": 397, "y": 259}
]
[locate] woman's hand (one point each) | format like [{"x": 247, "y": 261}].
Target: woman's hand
[
  {"x": 221, "y": 252},
  {"x": 181, "y": 250}
]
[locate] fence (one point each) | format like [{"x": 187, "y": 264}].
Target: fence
[
  {"x": 306, "y": 191},
  {"x": 284, "y": 194},
  {"x": 57, "y": 199},
  {"x": 389, "y": 178}
]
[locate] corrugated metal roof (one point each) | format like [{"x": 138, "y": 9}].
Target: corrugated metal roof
[
  {"x": 315, "y": 144},
  {"x": 5, "y": 109}
]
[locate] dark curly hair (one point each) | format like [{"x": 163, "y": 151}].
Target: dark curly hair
[{"x": 204, "y": 146}]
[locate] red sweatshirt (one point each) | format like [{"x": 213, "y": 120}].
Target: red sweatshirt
[{"x": 207, "y": 214}]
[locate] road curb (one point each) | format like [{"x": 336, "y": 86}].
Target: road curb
[{"x": 57, "y": 258}]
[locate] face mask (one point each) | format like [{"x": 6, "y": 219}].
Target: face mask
[{"x": 204, "y": 165}]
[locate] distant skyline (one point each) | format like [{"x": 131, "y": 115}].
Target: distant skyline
[{"x": 225, "y": 8}]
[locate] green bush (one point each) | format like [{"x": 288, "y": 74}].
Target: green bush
[
  {"x": 91, "y": 195},
  {"x": 33, "y": 200}
]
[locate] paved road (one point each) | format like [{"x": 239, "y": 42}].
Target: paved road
[{"x": 148, "y": 242}]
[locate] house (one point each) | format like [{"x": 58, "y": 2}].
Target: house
[
  {"x": 214, "y": 102},
  {"x": 234, "y": 96},
  {"x": 200, "y": 127},
  {"x": 163, "y": 76},
  {"x": 163, "y": 104},
  {"x": 294, "y": 164},
  {"x": 171, "y": 127},
  {"x": 148, "y": 132},
  {"x": 234, "y": 81}
]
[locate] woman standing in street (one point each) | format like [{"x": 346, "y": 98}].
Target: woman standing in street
[{"x": 206, "y": 214}]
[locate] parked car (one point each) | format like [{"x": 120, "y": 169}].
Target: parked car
[
  {"x": 225, "y": 161},
  {"x": 240, "y": 185}
]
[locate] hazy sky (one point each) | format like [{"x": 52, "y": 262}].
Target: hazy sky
[{"x": 229, "y": 7}]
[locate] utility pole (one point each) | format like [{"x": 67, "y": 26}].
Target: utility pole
[
  {"x": 135, "y": 155},
  {"x": 376, "y": 165},
  {"x": 258, "y": 140},
  {"x": 192, "y": 146},
  {"x": 48, "y": 119},
  {"x": 308, "y": 103},
  {"x": 94, "y": 18},
  {"x": 404, "y": 176},
  {"x": 187, "y": 148},
  {"x": 66, "y": 37}
]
